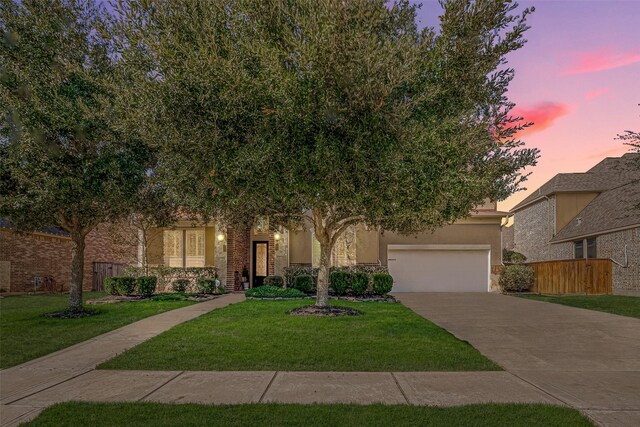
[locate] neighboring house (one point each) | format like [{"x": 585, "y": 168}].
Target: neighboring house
[
  {"x": 595, "y": 214},
  {"x": 459, "y": 257},
  {"x": 27, "y": 260}
]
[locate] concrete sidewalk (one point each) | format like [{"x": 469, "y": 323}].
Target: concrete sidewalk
[
  {"x": 415, "y": 388},
  {"x": 587, "y": 359},
  {"x": 62, "y": 366}
]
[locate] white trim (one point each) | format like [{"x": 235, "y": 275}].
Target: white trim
[
  {"x": 467, "y": 247},
  {"x": 439, "y": 247}
]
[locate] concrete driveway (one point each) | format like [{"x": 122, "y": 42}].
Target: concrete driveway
[{"x": 587, "y": 359}]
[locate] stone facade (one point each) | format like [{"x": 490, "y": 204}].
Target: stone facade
[
  {"x": 24, "y": 257},
  {"x": 534, "y": 227},
  {"x": 508, "y": 237},
  {"x": 626, "y": 280}
]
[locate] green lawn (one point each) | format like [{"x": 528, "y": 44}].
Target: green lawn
[
  {"x": 615, "y": 304},
  {"x": 260, "y": 335},
  {"x": 155, "y": 414},
  {"x": 26, "y": 335}
]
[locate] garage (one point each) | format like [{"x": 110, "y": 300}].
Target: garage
[{"x": 440, "y": 268}]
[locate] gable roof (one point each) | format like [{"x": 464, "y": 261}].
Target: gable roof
[
  {"x": 5, "y": 223},
  {"x": 613, "y": 209},
  {"x": 610, "y": 173}
]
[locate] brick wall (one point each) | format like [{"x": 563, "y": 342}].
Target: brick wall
[
  {"x": 237, "y": 255},
  {"x": 106, "y": 244},
  {"x": 533, "y": 228},
  {"x": 31, "y": 255},
  {"x": 35, "y": 254}
]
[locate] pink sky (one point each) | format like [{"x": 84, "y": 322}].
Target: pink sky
[{"x": 578, "y": 79}]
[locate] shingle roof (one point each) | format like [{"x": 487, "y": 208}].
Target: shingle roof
[
  {"x": 610, "y": 173},
  {"x": 612, "y": 209},
  {"x": 5, "y": 223}
]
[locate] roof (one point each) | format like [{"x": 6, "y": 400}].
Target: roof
[
  {"x": 613, "y": 209},
  {"x": 5, "y": 223},
  {"x": 610, "y": 173}
]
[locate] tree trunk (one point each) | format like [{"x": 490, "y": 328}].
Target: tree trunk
[
  {"x": 322, "y": 295},
  {"x": 77, "y": 271}
]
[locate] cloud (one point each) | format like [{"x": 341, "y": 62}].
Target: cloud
[
  {"x": 596, "y": 93},
  {"x": 600, "y": 60},
  {"x": 543, "y": 115}
]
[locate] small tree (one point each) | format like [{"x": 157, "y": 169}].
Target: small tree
[
  {"x": 63, "y": 162},
  {"x": 328, "y": 112}
]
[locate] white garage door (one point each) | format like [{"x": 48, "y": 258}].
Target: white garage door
[{"x": 440, "y": 268}]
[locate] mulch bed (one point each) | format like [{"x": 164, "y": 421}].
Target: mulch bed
[
  {"x": 112, "y": 299},
  {"x": 71, "y": 314},
  {"x": 329, "y": 311}
]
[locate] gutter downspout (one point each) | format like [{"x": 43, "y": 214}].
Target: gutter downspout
[{"x": 626, "y": 259}]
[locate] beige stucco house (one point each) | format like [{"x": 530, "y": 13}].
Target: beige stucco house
[
  {"x": 595, "y": 214},
  {"x": 464, "y": 256}
]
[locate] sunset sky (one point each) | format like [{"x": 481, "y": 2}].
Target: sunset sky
[{"x": 578, "y": 78}]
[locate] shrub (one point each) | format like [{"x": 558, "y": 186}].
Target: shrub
[
  {"x": 516, "y": 278},
  {"x": 290, "y": 274},
  {"x": 359, "y": 283},
  {"x": 109, "y": 285},
  {"x": 209, "y": 285},
  {"x": 169, "y": 297},
  {"x": 120, "y": 285},
  {"x": 382, "y": 283},
  {"x": 180, "y": 285},
  {"x": 277, "y": 281},
  {"x": 274, "y": 292},
  {"x": 339, "y": 281},
  {"x": 512, "y": 257},
  {"x": 146, "y": 285},
  {"x": 206, "y": 285},
  {"x": 303, "y": 283}
]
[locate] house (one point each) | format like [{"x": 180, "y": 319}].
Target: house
[
  {"x": 464, "y": 256},
  {"x": 595, "y": 214},
  {"x": 41, "y": 260}
]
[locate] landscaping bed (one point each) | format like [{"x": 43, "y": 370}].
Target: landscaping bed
[
  {"x": 26, "y": 334},
  {"x": 175, "y": 296},
  {"x": 261, "y": 335},
  {"x": 615, "y": 304},
  {"x": 156, "y": 414}
]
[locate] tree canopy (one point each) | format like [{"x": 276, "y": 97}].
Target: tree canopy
[
  {"x": 64, "y": 161},
  {"x": 341, "y": 111}
]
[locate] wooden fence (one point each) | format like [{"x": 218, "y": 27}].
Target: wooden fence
[
  {"x": 573, "y": 276},
  {"x": 102, "y": 270}
]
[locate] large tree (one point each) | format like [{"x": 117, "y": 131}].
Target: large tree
[
  {"x": 327, "y": 111},
  {"x": 63, "y": 159}
]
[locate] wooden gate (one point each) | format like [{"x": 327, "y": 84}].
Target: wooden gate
[
  {"x": 102, "y": 270},
  {"x": 573, "y": 276}
]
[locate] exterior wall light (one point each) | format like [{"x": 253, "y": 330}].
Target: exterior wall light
[
  {"x": 220, "y": 237},
  {"x": 277, "y": 236}
]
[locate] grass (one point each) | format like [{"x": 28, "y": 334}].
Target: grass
[
  {"x": 614, "y": 304},
  {"x": 26, "y": 335},
  {"x": 156, "y": 415},
  {"x": 260, "y": 335}
]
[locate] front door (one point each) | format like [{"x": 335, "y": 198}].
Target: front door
[{"x": 260, "y": 262}]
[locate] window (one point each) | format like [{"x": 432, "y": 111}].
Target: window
[
  {"x": 591, "y": 248},
  {"x": 578, "y": 248},
  {"x": 194, "y": 248},
  {"x": 173, "y": 248},
  {"x": 344, "y": 250},
  {"x": 184, "y": 248}
]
